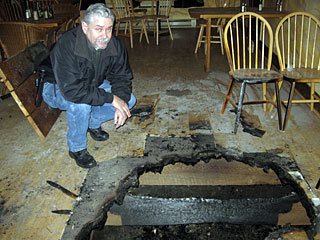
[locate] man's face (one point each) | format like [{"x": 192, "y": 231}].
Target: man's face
[{"x": 98, "y": 32}]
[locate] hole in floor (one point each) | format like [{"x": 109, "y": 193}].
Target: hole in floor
[
  {"x": 213, "y": 200},
  {"x": 226, "y": 193}
]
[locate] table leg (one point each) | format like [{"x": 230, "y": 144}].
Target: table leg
[{"x": 208, "y": 45}]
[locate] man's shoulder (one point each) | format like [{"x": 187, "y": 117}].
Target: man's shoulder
[
  {"x": 115, "y": 47},
  {"x": 69, "y": 35},
  {"x": 116, "y": 42}
]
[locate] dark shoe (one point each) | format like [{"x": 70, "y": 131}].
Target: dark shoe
[
  {"x": 83, "y": 159},
  {"x": 98, "y": 134}
]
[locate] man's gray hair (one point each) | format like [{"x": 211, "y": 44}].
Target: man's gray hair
[{"x": 97, "y": 10}]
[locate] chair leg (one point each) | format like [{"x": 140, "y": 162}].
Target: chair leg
[
  {"x": 221, "y": 39},
  {"x": 274, "y": 96},
  {"x": 312, "y": 89},
  {"x": 144, "y": 31},
  {"x": 226, "y": 100},
  {"x": 264, "y": 96},
  {"x": 198, "y": 45},
  {"x": 117, "y": 28},
  {"x": 239, "y": 108},
  {"x": 126, "y": 28},
  {"x": 289, "y": 104},
  {"x": 155, "y": 28},
  {"x": 276, "y": 85},
  {"x": 169, "y": 29},
  {"x": 157, "y": 32},
  {"x": 141, "y": 32},
  {"x": 130, "y": 32}
]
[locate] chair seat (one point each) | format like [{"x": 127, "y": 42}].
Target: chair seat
[
  {"x": 135, "y": 18},
  {"x": 302, "y": 74},
  {"x": 214, "y": 21},
  {"x": 155, "y": 17},
  {"x": 255, "y": 75},
  {"x": 125, "y": 14},
  {"x": 213, "y": 38},
  {"x": 212, "y": 25},
  {"x": 139, "y": 10}
]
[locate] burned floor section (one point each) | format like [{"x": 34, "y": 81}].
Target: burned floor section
[{"x": 186, "y": 211}]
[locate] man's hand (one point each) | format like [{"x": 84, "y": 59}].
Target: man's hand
[{"x": 122, "y": 111}]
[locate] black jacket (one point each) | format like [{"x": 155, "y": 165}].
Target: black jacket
[{"x": 79, "y": 78}]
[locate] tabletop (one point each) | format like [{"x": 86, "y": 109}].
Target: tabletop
[
  {"x": 56, "y": 21},
  {"x": 229, "y": 12}
]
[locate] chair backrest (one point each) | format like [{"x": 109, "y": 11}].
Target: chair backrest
[
  {"x": 165, "y": 7},
  {"x": 67, "y": 25},
  {"x": 121, "y": 8},
  {"x": 245, "y": 37},
  {"x": 16, "y": 36},
  {"x": 297, "y": 40},
  {"x": 11, "y": 10},
  {"x": 13, "y": 38}
]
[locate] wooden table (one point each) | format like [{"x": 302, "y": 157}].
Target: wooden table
[
  {"x": 56, "y": 21},
  {"x": 208, "y": 14},
  {"x": 18, "y": 35}
]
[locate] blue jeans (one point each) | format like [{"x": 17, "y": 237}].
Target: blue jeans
[{"x": 80, "y": 116}]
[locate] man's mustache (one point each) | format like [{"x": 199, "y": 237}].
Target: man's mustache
[{"x": 103, "y": 40}]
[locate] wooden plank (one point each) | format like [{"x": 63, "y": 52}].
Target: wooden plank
[
  {"x": 26, "y": 93},
  {"x": 44, "y": 118},
  {"x": 215, "y": 172},
  {"x": 21, "y": 66},
  {"x": 18, "y": 74}
]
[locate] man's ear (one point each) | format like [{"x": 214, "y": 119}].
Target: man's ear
[{"x": 84, "y": 27}]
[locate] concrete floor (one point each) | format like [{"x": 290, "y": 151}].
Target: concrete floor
[{"x": 174, "y": 75}]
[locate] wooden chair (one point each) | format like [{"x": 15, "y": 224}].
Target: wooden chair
[
  {"x": 47, "y": 36},
  {"x": 297, "y": 39},
  {"x": 214, "y": 38},
  {"x": 218, "y": 26},
  {"x": 249, "y": 60},
  {"x": 160, "y": 12},
  {"x": 13, "y": 38},
  {"x": 66, "y": 26},
  {"x": 11, "y": 10},
  {"x": 16, "y": 36},
  {"x": 137, "y": 10},
  {"x": 123, "y": 10}
]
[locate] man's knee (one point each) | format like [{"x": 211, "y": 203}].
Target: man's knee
[
  {"x": 79, "y": 108},
  {"x": 48, "y": 95}
]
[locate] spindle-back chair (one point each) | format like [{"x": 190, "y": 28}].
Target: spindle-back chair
[
  {"x": 245, "y": 38},
  {"x": 297, "y": 39}
]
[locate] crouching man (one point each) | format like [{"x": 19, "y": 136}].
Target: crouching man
[{"x": 92, "y": 81}]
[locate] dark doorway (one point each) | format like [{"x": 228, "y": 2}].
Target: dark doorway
[
  {"x": 86, "y": 3},
  {"x": 188, "y": 3}
]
